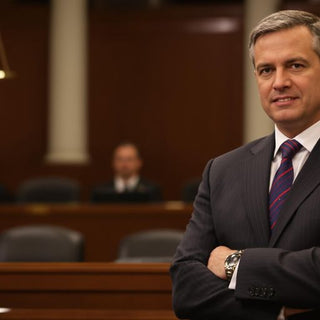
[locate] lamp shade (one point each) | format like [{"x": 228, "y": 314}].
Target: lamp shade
[{"x": 5, "y": 71}]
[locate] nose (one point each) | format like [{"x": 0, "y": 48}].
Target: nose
[{"x": 281, "y": 80}]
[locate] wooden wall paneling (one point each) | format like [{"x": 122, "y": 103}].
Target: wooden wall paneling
[
  {"x": 23, "y": 109},
  {"x": 162, "y": 78},
  {"x": 169, "y": 83}
]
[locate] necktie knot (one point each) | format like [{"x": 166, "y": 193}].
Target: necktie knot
[{"x": 289, "y": 148}]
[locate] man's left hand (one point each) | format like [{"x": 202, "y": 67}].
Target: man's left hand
[{"x": 217, "y": 259}]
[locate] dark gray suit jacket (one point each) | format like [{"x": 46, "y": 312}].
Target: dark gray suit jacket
[{"x": 231, "y": 209}]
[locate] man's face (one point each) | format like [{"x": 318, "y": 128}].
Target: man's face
[
  {"x": 126, "y": 162},
  {"x": 287, "y": 71}
]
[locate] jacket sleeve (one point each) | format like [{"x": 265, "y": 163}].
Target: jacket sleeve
[
  {"x": 293, "y": 277},
  {"x": 197, "y": 292}
]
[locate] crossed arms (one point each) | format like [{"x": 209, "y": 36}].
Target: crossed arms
[{"x": 268, "y": 278}]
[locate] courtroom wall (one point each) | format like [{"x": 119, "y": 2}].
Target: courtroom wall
[{"x": 168, "y": 79}]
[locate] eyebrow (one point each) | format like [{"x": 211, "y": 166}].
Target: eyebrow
[
  {"x": 263, "y": 65},
  {"x": 297, "y": 59}
]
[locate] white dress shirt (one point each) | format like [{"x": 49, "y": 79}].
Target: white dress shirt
[
  {"x": 308, "y": 139},
  {"x": 122, "y": 185}
]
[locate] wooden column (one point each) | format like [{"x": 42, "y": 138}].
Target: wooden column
[
  {"x": 256, "y": 122},
  {"x": 68, "y": 83}
]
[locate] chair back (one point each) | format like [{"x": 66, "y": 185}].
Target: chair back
[
  {"x": 149, "y": 246},
  {"x": 41, "y": 243},
  {"x": 190, "y": 190},
  {"x": 48, "y": 190}
]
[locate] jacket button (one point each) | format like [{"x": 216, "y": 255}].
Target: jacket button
[
  {"x": 263, "y": 292},
  {"x": 271, "y": 292},
  {"x": 251, "y": 291}
]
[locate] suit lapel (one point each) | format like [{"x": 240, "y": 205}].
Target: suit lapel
[
  {"x": 307, "y": 180},
  {"x": 257, "y": 177}
]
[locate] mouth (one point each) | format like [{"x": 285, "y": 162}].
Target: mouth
[{"x": 283, "y": 99}]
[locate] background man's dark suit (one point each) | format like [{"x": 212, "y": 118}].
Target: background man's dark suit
[
  {"x": 231, "y": 209},
  {"x": 148, "y": 190}
]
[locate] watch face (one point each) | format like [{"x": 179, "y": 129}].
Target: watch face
[
  {"x": 233, "y": 259},
  {"x": 231, "y": 263}
]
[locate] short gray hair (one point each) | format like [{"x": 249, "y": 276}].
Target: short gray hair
[{"x": 286, "y": 19}]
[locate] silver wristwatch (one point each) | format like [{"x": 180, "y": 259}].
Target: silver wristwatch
[{"x": 231, "y": 262}]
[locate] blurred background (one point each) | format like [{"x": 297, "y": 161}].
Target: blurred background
[{"x": 168, "y": 75}]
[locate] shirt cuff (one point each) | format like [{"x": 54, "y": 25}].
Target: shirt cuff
[
  {"x": 233, "y": 281},
  {"x": 281, "y": 315}
]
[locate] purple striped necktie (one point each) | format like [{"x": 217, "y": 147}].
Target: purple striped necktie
[{"x": 282, "y": 180}]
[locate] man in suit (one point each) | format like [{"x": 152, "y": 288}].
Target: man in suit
[
  {"x": 252, "y": 247},
  {"x": 127, "y": 184}
]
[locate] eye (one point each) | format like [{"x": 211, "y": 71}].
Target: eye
[
  {"x": 264, "y": 71},
  {"x": 296, "y": 66}
]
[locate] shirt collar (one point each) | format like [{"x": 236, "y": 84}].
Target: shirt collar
[
  {"x": 130, "y": 183},
  {"x": 307, "y": 138}
]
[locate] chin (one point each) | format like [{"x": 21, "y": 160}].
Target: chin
[{"x": 285, "y": 116}]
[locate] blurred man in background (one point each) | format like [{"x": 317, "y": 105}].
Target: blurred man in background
[{"x": 127, "y": 184}]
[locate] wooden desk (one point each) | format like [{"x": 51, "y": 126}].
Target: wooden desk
[
  {"x": 86, "y": 314},
  {"x": 101, "y": 286},
  {"x": 102, "y": 225}
]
